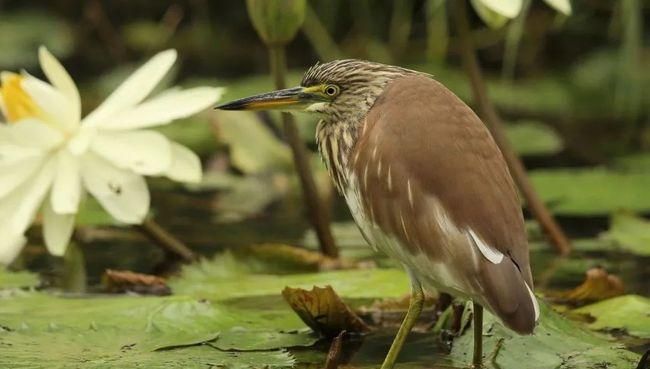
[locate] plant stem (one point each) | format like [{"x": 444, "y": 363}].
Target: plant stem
[
  {"x": 166, "y": 240},
  {"x": 495, "y": 124},
  {"x": 477, "y": 358},
  {"x": 318, "y": 212},
  {"x": 74, "y": 269}
]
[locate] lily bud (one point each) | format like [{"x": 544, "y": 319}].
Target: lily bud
[{"x": 276, "y": 21}]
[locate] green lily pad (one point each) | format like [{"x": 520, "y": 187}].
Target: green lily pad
[
  {"x": 225, "y": 278},
  {"x": 592, "y": 191},
  {"x": 630, "y": 313},
  {"x": 534, "y": 138},
  {"x": 556, "y": 343},
  {"x": 126, "y": 332},
  {"x": 100, "y": 350},
  {"x": 630, "y": 233},
  {"x": 22, "y": 279}
]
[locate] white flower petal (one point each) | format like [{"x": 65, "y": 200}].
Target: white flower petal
[
  {"x": 57, "y": 230},
  {"x": 562, "y": 6},
  {"x": 166, "y": 107},
  {"x": 491, "y": 18},
  {"x": 80, "y": 142},
  {"x": 144, "y": 152},
  {"x": 66, "y": 189},
  {"x": 56, "y": 106},
  {"x": 59, "y": 77},
  {"x": 10, "y": 245},
  {"x": 186, "y": 166},
  {"x": 13, "y": 174},
  {"x": 31, "y": 133},
  {"x": 18, "y": 208},
  {"x": 507, "y": 8},
  {"x": 122, "y": 193},
  {"x": 132, "y": 91}
]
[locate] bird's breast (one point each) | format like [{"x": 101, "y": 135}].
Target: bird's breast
[{"x": 335, "y": 142}]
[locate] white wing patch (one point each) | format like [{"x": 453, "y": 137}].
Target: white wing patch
[
  {"x": 493, "y": 255},
  {"x": 535, "y": 304}
]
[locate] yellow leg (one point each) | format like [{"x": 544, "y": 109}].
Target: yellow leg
[
  {"x": 415, "y": 308},
  {"x": 477, "y": 360}
]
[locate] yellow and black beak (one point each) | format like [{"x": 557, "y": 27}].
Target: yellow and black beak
[{"x": 296, "y": 98}]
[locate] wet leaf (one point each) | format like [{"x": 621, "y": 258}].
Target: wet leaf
[
  {"x": 128, "y": 332},
  {"x": 324, "y": 311},
  {"x": 592, "y": 191},
  {"x": 212, "y": 279},
  {"x": 598, "y": 285},
  {"x": 630, "y": 313},
  {"x": 556, "y": 343},
  {"x": 534, "y": 138},
  {"x": 242, "y": 339},
  {"x": 629, "y": 233},
  {"x": 120, "y": 281}
]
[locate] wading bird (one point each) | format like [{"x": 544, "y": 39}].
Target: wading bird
[{"x": 425, "y": 183}]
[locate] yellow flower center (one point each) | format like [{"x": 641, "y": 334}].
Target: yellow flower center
[{"x": 16, "y": 103}]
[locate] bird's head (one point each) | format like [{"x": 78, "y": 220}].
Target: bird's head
[{"x": 341, "y": 89}]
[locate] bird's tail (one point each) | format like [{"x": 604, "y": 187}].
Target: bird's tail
[{"x": 508, "y": 296}]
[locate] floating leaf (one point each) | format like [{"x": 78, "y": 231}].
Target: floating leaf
[
  {"x": 225, "y": 277},
  {"x": 324, "y": 311},
  {"x": 629, "y": 233},
  {"x": 241, "y": 339},
  {"x": 592, "y": 191},
  {"x": 533, "y": 138},
  {"x": 556, "y": 343},
  {"x": 630, "y": 313}
]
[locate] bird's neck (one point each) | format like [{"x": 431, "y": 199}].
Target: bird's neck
[{"x": 336, "y": 140}]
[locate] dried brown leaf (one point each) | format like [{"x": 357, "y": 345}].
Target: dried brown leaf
[
  {"x": 324, "y": 311},
  {"x": 120, "y": 281},
  {"x": 598, "y": 285}
]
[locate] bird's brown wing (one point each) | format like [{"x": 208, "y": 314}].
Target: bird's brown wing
[{"x": 426, "y": 161}]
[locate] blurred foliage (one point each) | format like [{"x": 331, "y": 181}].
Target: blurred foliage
[
  {"x": 592, "y": 191},
  {"x": 25, "y": 31},
  {"x": 534, "y": 138},
  {"x": 630, "y": 233}
]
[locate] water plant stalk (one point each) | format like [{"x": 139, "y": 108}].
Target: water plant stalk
[
  {"x": 74, "y": 279},
  {"x": 318, "y": 212},
  {"x": 165, "y": 240},
  {"x": 495, "y": 124}
]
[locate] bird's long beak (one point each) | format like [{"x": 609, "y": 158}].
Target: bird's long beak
[{"x": 296, "y": 98}]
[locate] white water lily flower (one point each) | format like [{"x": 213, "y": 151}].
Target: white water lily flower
[{"x": 49, "y": 156}]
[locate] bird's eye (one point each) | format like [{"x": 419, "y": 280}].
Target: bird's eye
[{"x": 331, "y": 90}]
